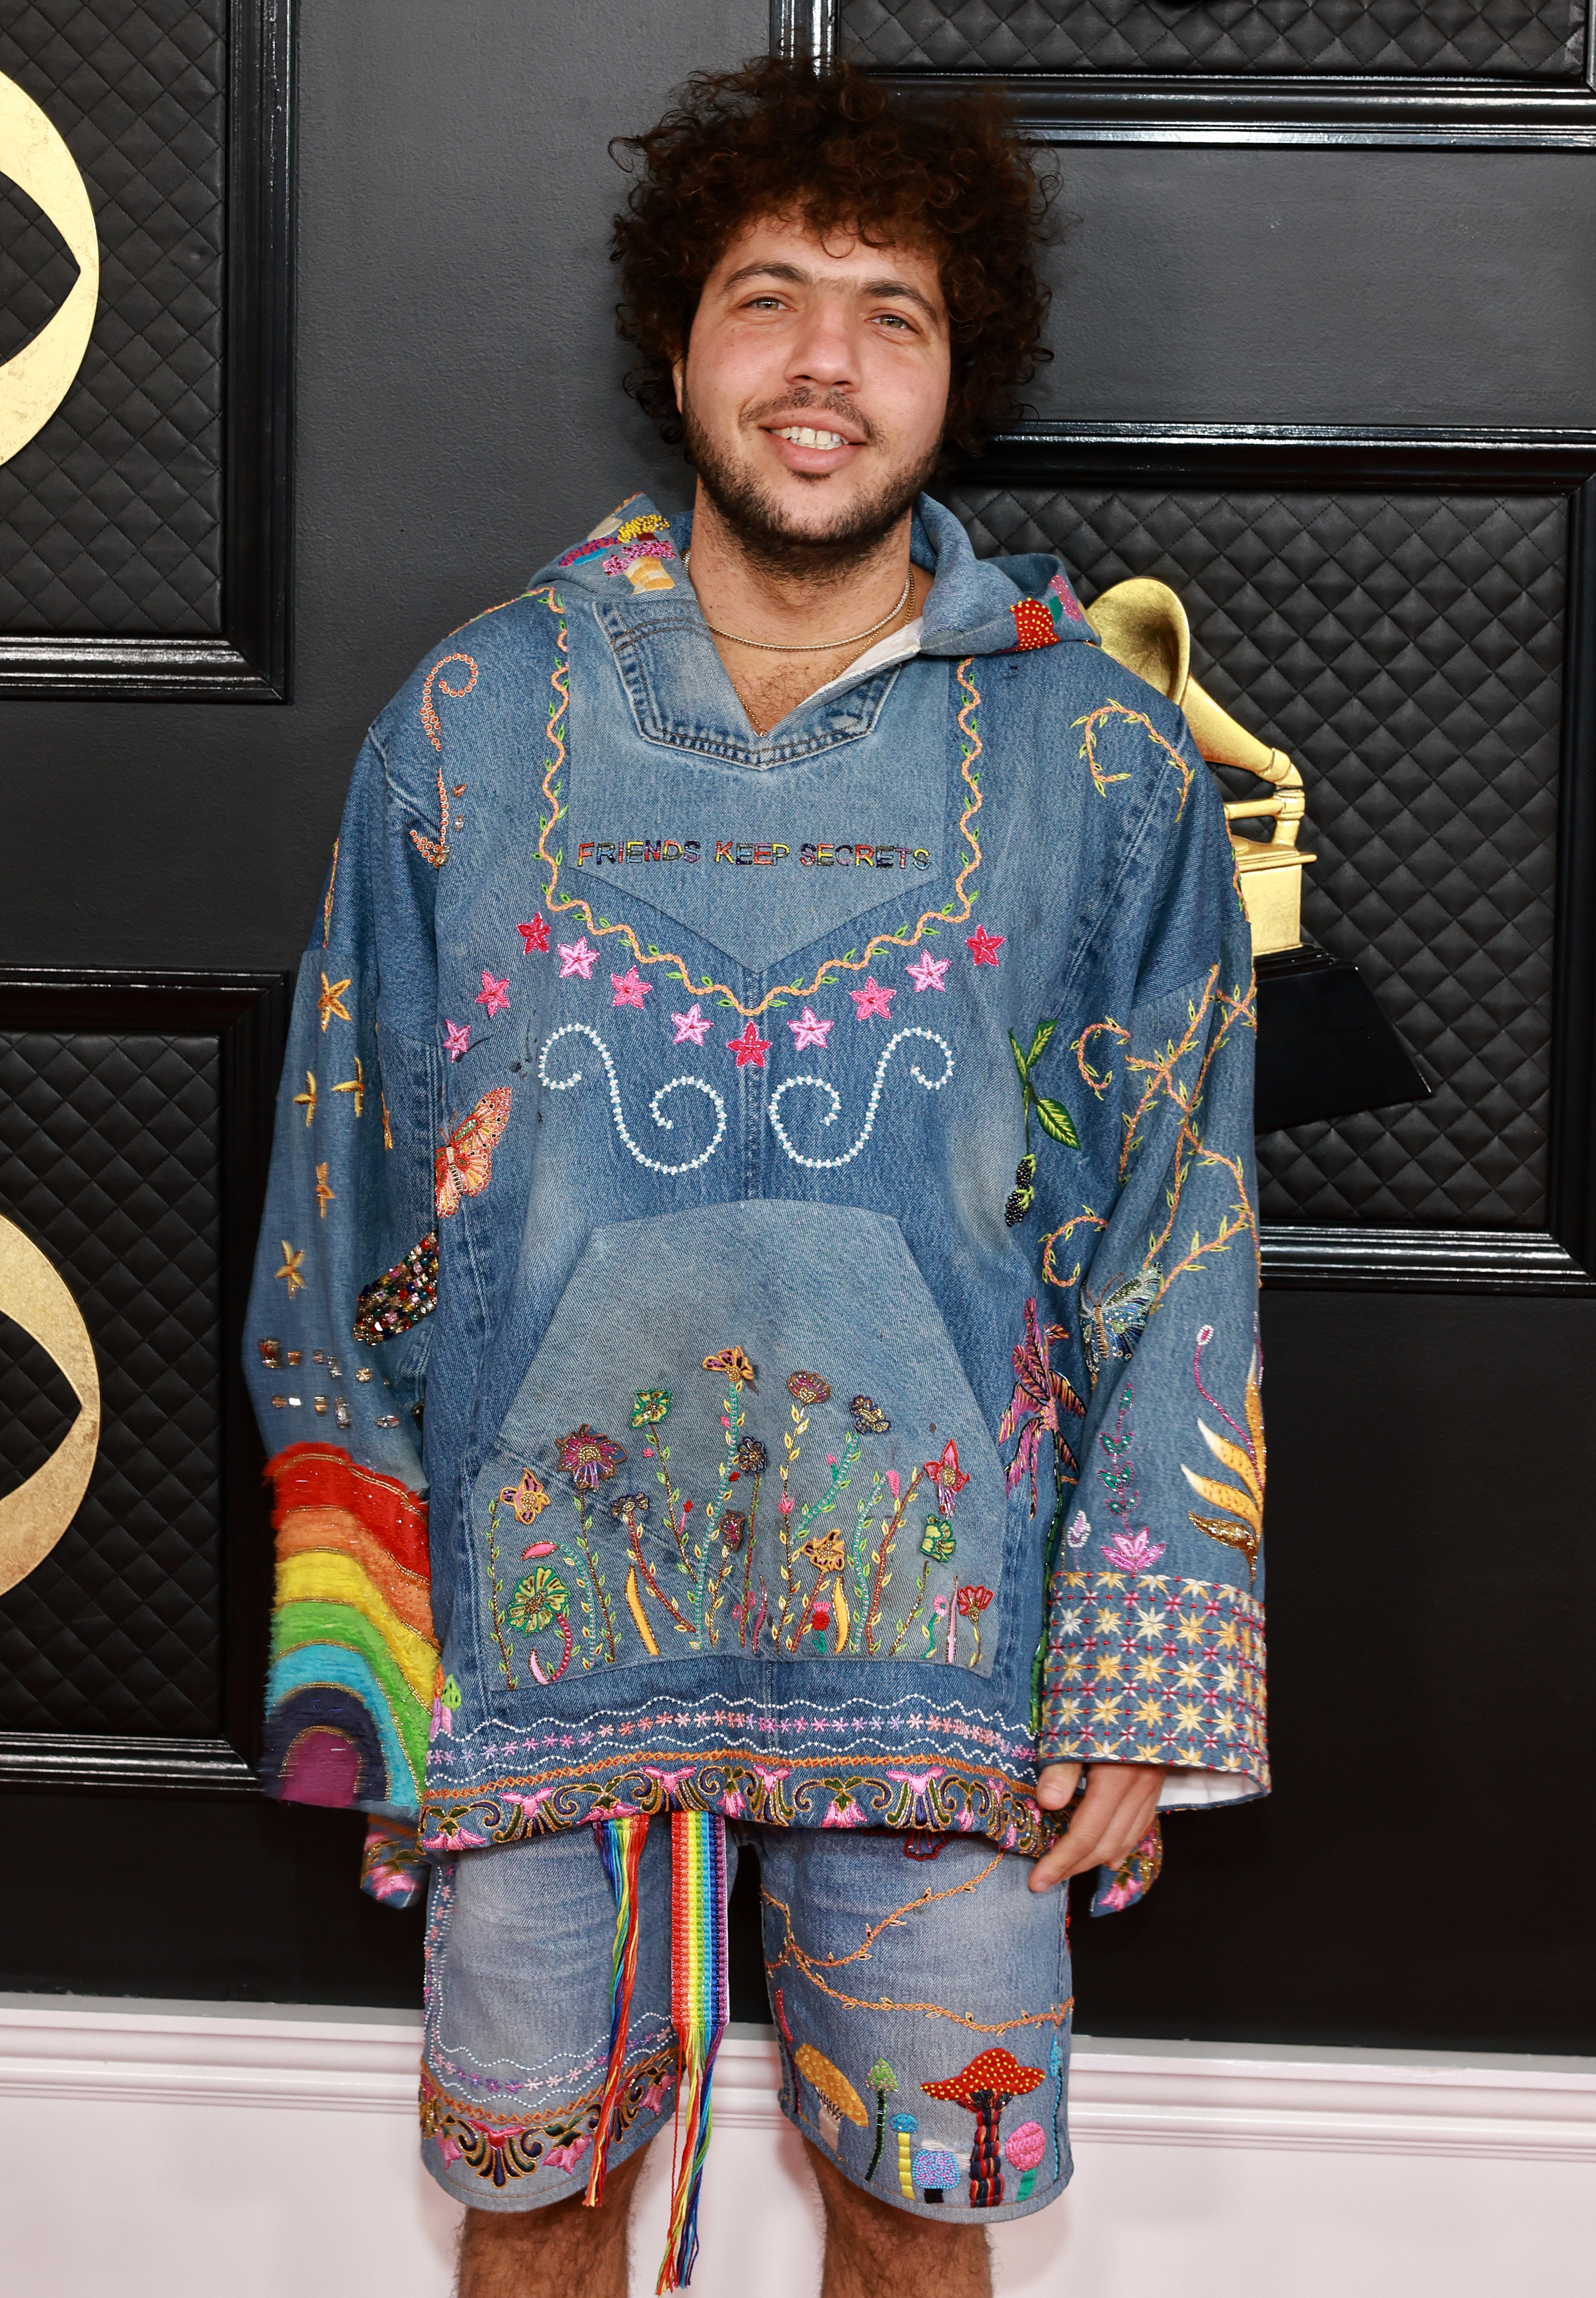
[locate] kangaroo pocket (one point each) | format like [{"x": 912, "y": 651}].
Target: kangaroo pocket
[{"x": 746, "y": 1431}]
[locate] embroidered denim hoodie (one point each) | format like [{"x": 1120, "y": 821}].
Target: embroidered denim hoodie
[{"x": 813, "y": 1175}]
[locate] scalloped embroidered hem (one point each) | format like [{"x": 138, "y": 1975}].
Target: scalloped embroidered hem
[{"x": 924, "y": 1793}]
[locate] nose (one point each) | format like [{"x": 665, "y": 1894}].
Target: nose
[{"x": 825, "y": 351}]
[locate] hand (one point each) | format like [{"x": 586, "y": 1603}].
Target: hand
[{"x": 1110, "y": 1821}]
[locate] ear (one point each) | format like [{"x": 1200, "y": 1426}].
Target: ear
[{"x": 678, "y": 370}]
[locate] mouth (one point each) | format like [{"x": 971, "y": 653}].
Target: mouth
[{"x": 812, "y": 448}]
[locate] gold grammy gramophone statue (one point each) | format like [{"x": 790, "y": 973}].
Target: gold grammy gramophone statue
[{"x": 1142, "y": 624}]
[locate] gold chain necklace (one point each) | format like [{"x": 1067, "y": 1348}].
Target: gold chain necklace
[{"x": 826, "y": 646}]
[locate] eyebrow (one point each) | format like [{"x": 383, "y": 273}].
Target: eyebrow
[{"x": 791, "y": 274}]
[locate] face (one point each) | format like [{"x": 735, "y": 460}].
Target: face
[{"x": 814, "y": 391}]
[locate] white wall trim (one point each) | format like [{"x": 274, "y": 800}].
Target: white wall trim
[{"x": 1230, "y": 2096}]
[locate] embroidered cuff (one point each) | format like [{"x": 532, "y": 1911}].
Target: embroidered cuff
[{"x": 1145, "y": 1668}]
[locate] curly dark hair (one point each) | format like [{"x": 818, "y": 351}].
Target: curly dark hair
[{"x": 776, "y": 139}]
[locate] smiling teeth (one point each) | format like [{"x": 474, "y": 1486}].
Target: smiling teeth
[{"x": 802, "y": 437}]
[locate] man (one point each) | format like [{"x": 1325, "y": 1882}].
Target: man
[{"x": 781, "y": 1017}]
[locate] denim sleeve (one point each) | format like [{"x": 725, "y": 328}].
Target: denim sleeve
[
  {"x": 336, "y": 1337},
  {"x": 1154, "y": 1643}
]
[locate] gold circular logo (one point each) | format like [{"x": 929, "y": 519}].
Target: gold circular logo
[
  {"x": 37, "y": 378},
  {"x": 33, "y": 1295}
]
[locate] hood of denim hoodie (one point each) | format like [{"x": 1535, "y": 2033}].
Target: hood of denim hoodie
[{"x": 969, "y": 610}]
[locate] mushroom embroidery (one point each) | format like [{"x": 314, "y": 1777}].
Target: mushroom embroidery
[
  {"x": 906, "y": 2126},
  {"x": 881, "y": 2080},
  {"x": 837, "y": 2099},
  {"x": 1025, "y": 2148},
  {"x": 935, "y": 2171},
  {"x": 985, "y": 2088}
]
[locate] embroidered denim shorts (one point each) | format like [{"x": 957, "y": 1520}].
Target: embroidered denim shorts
[{"x": 921, "y": 1993}]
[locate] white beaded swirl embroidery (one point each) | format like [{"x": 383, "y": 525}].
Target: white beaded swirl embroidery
[
  {"x": 564, "y": 1084},
  {"x": 829, "y": 1164}
]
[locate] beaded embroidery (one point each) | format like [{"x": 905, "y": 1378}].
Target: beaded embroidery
[{"x": 401, "y": 1296}]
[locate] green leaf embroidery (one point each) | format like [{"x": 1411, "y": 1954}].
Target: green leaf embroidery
[{"x": 1055, "y": 1122}]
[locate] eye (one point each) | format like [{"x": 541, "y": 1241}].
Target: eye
[{"x": 894, "y": 320}]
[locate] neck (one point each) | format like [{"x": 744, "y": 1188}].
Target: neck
[{"x": 789, "y": 606}]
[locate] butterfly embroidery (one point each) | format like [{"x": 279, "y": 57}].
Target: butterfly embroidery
[
  {"x": 869, "y": 1418},
  {"x": 946, "y": 1475},
  {"x": 464, "y": 1163},
  {"x": 1112, "y": 1323}
]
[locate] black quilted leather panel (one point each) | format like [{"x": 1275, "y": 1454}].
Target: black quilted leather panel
[
  {"x": 109, "y": 1159},
  {"x": 1507, "y": 39},
  {"x": 113, "y": 513},
  {"x": 1407, "y": 650}
]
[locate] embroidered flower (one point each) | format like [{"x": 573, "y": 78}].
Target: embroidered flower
[
  {"x": 588, "y": 1458},
  {"x": 825, "y": 1551},
  {"x": 539, "y": 1600},
  {"x": 457, "y": 1039},
  {"x": 528, "y": 1497},
  {"x": 731, "y": 1527},
  {"x": 493, "y": 996},
  {"x": 734, "y": 1364},
  {"x": 946, "y": 1475},
  {"x": 973, "y": 1600},
  {"x": 808, "y": 1030},
  {"x": 1133, "y": 1551},
  {"x": 630, "y": 988},
  {"x": 576, "y": 958},
  {"x": 868, "y": 1419},
  {"x": 535, "y": 935},
  {"x": 693, "y": 1027},
  {"x": 874, "y": 998},
  {"x": 937, "y": 1540},
  {"x": 983, "y": 946},
  {"x": 749, "y": 1047},
  {"x": 927, "y": 971},
  {"x": 808, "y": 1387},
  {"x": 650, "y": 1409},
  {"x": 1080, "y": 1530},
  {"x": 750, "y": 1458},
  {"x": 629, "y": 1509}
]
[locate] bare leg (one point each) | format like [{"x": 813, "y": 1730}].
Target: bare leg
[
  {"x": 566, "y": 2251},
  {"x": 871, "y": 2247}
]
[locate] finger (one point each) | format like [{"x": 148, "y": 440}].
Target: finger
[
  {"x": 1055, "y": 1785},
  {"x": 1110, "y": 1821},
  {"x": 1130, "y": 1828},
  {"x": 1081, "y": 1845}
]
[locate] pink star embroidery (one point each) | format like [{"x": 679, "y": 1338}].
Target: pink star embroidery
[
  {"x": 983, "y": 946},
  {"x": 457, "y": 1039},
  {"x": 749, "y": 1047},
  {"x": 533, "y": 936},
  {"x": 693, "y": 1027},
  {"x": 927, "y": 971},
  {"x": 630, "y": 988},
  {"x": 807, "y": 1031},
  {"x": 493, "y": 995},
  {"x": 873, "y": 999},
  {"x": 576, "y": 957}
]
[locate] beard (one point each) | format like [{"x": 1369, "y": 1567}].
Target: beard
[{"x": 771, "y": 542}]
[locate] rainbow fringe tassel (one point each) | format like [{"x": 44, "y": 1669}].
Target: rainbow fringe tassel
[
  {"x": 699, "y": 2011},
  {"x": 620, "y": 1846}
]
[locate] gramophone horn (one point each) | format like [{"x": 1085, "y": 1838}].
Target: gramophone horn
[{"x": 1142, "y": 625}]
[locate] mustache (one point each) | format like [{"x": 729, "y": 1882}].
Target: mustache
[{"x": 811, "y": 403}]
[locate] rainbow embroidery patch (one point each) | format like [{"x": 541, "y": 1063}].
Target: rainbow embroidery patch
[{"x": 348, "y": 1691}]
